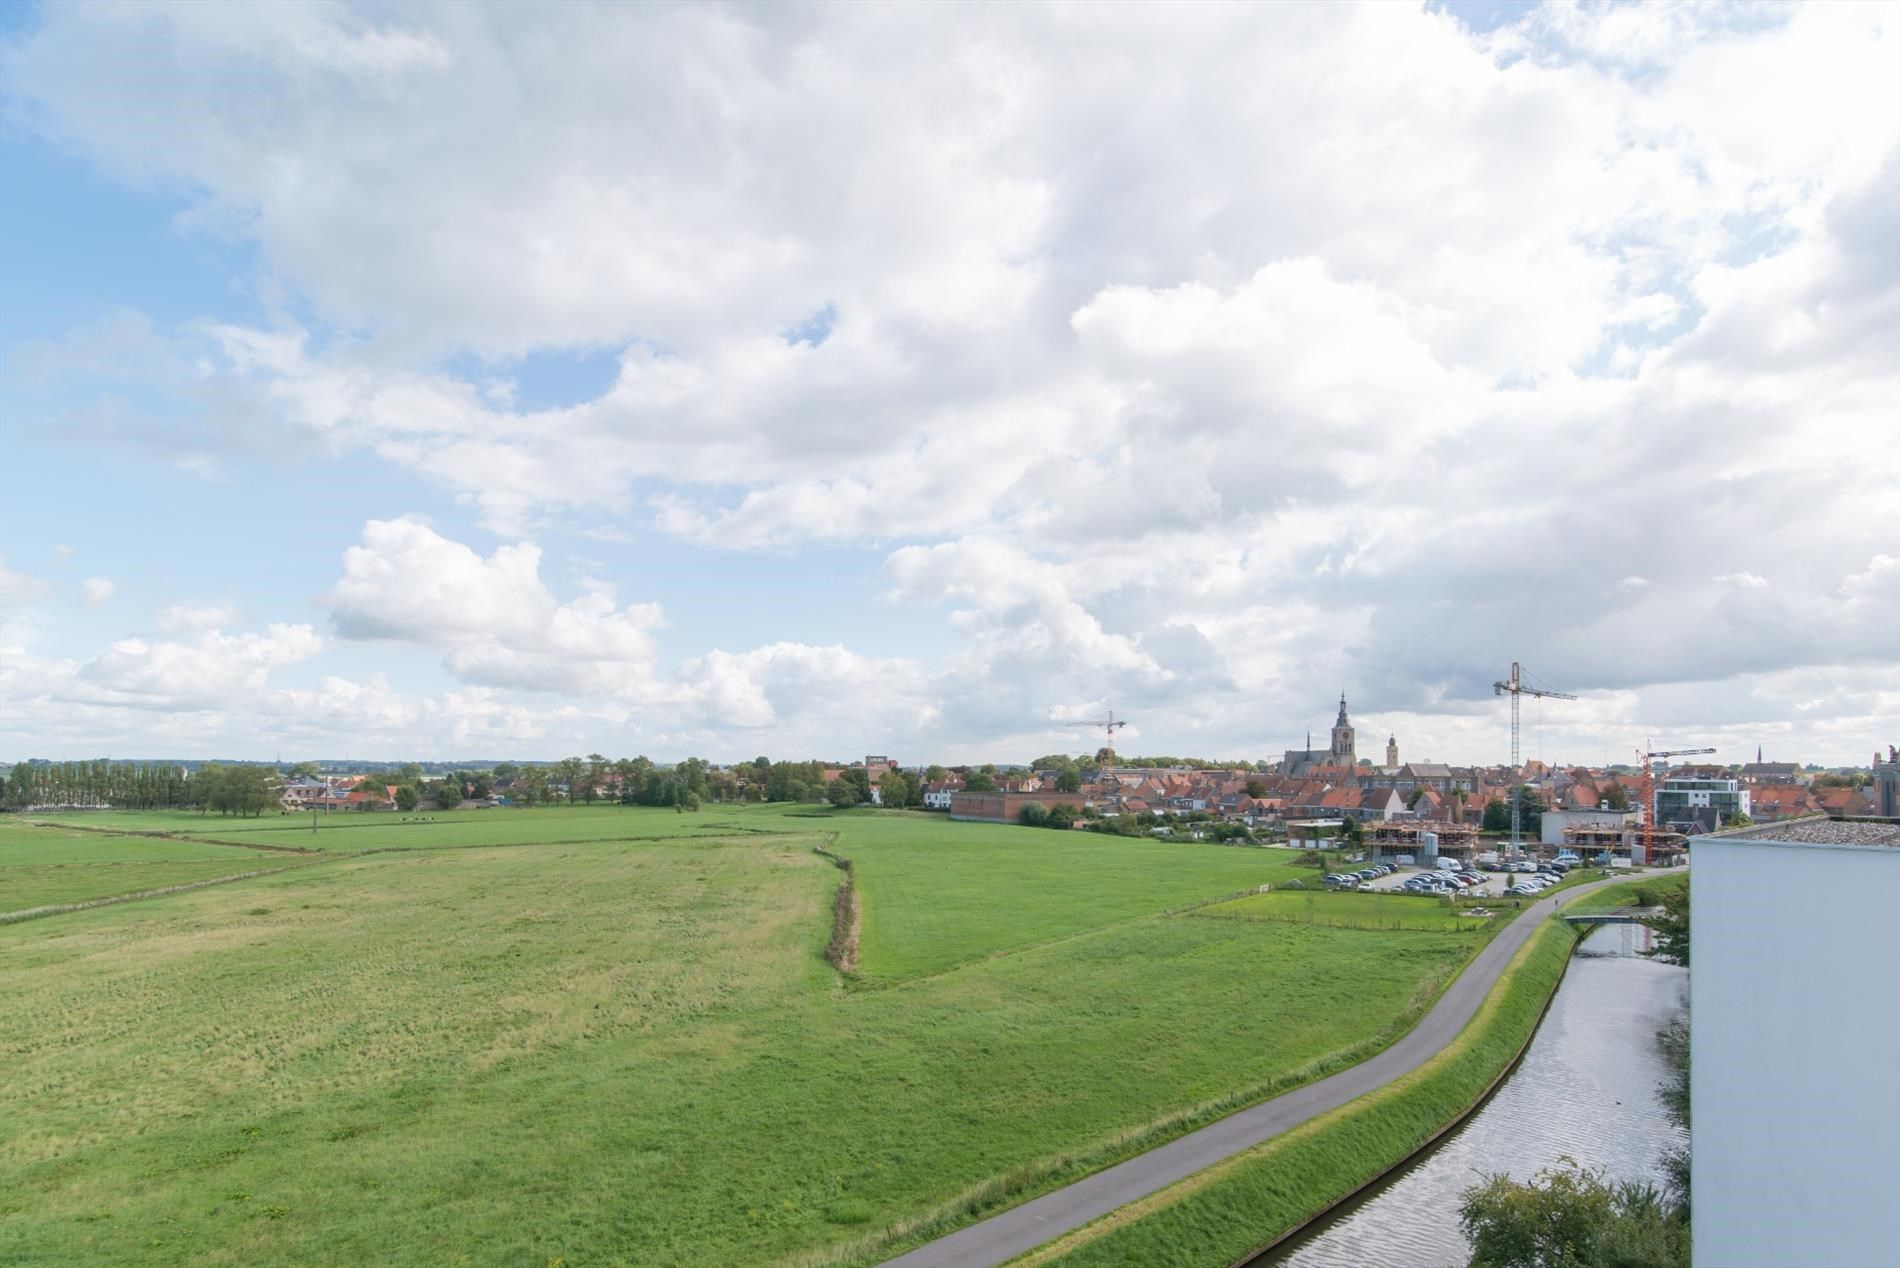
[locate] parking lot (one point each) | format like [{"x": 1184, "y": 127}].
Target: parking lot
[{"x": 1489, "y": 884}]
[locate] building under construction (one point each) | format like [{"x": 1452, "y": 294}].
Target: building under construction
[
  {"x": 1422, "y": 840},
  {"x": 1665, "y": 848}
]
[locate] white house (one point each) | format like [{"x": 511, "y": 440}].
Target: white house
[{"x": 1795, "y": 1025}]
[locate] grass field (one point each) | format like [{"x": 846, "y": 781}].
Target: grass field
[
  {"x": 987, "y": 890},
  {"x": 628, "y": 1048},
  {"x": 23, "y": 888},
  {"x": 1354, "y": 911},
  {"x": 24, "y": 845},
  {"x": 43, "y": 866},
  {"x": 354, "y": 831}
]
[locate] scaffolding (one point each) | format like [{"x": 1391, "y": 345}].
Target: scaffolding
[
  {"x": 1395, "y": 836},
  {"x": 1661, "y": 847}
]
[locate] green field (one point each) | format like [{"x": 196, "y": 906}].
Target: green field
[
  {"x": 44, "y": 866},
  {"x": 346, "y": 831},
  {"x": 625, "y": 1045},
  {"x": 1355, "y": 911},
  {"x": 25, "y": 845}
]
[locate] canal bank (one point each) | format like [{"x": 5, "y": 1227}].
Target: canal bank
[
  {"x": 1228, "y": 1212},
  {"x": 1586, "y": 1088}
]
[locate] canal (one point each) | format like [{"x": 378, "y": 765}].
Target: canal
[{"x": 1587, "y": 1088}]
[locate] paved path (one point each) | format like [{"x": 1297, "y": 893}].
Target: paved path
[{"x": 1023, "y": 1228}]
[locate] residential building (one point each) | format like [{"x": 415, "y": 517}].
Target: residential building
[
  {"x": 1843, "y": 801},
  {"x": 1886, "y": 788},
  {"x": 937, "y": 793},
  {"x": 1771, "y": 803},
  {"x": 1696, "y": 804},
  {"x": 1794, "y": 1024},
  {"x": 1554, "y": 822}
]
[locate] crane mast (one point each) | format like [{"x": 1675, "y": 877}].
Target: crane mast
[
  {"x": 1515, "y": 688},
  {"x": 1109, "y": 725},
  {"x": 1649, "y": 791}
]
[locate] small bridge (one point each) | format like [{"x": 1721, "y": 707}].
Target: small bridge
[{"x": 1613, "y": 916}]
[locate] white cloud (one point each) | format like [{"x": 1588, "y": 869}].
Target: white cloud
[
  {"x": 17, "y": 589},
  {"x": 497, "y": 622},
  {"x": 20, "y": 622},
  {"x": 97, "y": 590},
  {"x": 191, "y": 618},
  {"x": 1387, "y": 355}
]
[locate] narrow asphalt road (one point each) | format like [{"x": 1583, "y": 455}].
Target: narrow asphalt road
[{"x": 1003, "y": 1237}]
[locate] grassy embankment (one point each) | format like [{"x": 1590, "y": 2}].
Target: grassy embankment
[
  {"x": 1642, "y": 890},
  {"x": 629, "y": 1048},
  {"x": 1224, "y": 1213}
]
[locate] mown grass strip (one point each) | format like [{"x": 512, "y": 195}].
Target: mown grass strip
[{"x": 1231, "y": 1212}]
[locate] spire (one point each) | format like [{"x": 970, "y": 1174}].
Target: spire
[
  {"x": 1342, "y": 708},
  {"x": 1758, "y": 755}
]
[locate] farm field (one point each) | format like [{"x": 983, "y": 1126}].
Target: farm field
[{"x": 629, "y": 1048}]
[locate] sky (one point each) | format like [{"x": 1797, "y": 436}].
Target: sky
[{"x": 432, "y": 381}]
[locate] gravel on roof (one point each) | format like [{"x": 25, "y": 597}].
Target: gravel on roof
[{"x": 1828, "y": 832}]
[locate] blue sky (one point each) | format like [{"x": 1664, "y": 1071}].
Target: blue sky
[{"x": 374, "y": 382}]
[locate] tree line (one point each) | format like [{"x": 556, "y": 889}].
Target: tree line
[{"x": 100, "y": 784}]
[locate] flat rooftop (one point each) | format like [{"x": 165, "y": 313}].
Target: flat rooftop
[{"x": 1824, "y": 832}]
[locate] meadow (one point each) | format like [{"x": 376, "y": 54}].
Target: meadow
[
  {"x": 1355, "y": 911},
  {"x": 42, "y": 866},
  {"x": 609, "y": 1035}
]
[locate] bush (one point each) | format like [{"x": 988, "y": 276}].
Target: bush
[{"x": 1034, "y": 815}]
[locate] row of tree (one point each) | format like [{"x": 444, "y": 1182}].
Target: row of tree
[{"x": 229, "y": 789}]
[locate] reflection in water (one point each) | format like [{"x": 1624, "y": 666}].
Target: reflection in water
[{"x": 1586, "y": 1088}]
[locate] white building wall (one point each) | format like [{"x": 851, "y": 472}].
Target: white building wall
[
  {"x": 1795, "y": 1019},
  {"x": 1555, "y": 821}
]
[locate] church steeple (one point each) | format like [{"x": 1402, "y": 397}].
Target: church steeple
[{"x": 1343, "y": 753}]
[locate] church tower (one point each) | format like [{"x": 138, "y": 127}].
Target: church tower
[
  {"x": 1343, "y": 753},
  {"x": 1392, "y": 751}
]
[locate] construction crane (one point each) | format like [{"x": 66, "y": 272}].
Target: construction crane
[
  {"x": 1649, "y": 791},
  {"x": 1515, "y": 688},
  {"x": 1109, "y": 725}
]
